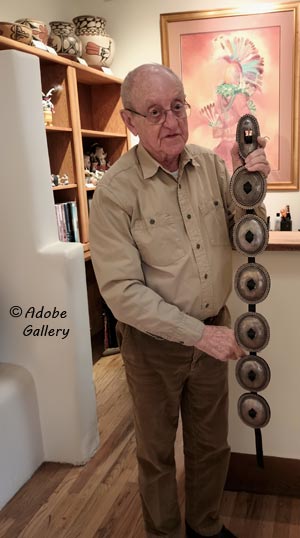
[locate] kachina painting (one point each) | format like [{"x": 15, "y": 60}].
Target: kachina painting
[{"x": 229, "y": 74}]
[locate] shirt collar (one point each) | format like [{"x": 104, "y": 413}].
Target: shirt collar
[{"x": 150, "y": 166}]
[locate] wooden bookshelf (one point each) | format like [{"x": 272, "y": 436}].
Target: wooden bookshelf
[{"x": 87, "y": 110}]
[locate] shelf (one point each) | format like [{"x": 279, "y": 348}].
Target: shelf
[
  {"x": 94, "y": 75},
  {"x": 284, "y": 241},
  {"x": 6, "y": 44},
  {"x": 56, "y": 129},
  {"x": 88, "y": 133},
  {"x": 63, "y": 187},
  {"x": 85, "y": 74}
]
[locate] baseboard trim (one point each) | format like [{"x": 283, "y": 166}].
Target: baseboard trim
[{"x": 280, "y": 476}]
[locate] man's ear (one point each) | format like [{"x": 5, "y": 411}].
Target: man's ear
[{"x": 127, "y": 118}]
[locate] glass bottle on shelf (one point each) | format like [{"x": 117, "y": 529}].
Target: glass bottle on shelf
[{"x": 277, "y": 223}]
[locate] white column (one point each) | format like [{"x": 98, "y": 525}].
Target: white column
[{"x": 38, "y": 271}]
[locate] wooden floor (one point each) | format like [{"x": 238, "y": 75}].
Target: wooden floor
[{"x": 100, "y": 500}]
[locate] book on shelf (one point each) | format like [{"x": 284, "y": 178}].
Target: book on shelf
[
  {"x": 74, "y": 221},
  {"x": 67, "y": 222}
]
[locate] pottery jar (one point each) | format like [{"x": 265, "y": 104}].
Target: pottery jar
[
  {"x": 63, "y": 40},
  {"x": 16, "y": 31},
  {"x": 98, "y": 47},
  {"x": 39, "y": 29}
]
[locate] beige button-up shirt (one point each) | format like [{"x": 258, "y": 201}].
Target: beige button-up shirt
[{"x": 160, "y": 246}]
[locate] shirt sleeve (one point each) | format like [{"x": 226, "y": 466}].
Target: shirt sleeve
[{"x": 120, "y": 277}]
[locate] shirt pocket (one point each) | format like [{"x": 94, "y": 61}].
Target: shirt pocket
[
  {"x": 214, "y": 217},
  {"x": 157, "y": 239}
]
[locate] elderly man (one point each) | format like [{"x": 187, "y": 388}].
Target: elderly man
[{"x": 160, "y": 241}]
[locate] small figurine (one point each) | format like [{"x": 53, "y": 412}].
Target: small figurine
[
  {"x": 48, "y": 107},
  {"x": 93, "y": 169},
  {"x": 92, "y": 178},
  {"x": 57, "y": 180},
  {"x": 63, "y": 180},
  {"x": 87, "y": 161},
  {"x": 54, "y": 180},
  {"x": 98, "y": 157}
]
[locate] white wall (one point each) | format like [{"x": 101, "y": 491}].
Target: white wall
[
  {"x": 134, "y": 24},
  {"x": 33, "y": 9}
]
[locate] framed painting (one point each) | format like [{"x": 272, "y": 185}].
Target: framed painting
[{"x": 233, "y": 62}]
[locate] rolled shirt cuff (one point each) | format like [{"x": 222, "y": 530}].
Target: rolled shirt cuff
[{"x": 189, "y": 331}]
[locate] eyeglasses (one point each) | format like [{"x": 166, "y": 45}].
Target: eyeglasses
[{"x": 158, "y": 115}]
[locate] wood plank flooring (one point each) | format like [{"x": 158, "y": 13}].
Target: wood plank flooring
[{"x": 101, "y": 500}]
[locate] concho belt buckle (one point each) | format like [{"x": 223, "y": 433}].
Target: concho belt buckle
[
  {"x": 247, "y": 132},
  {"x": 248, "y": 189}
]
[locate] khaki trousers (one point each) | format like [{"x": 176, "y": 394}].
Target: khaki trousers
[{"x": 165, "y": 378}]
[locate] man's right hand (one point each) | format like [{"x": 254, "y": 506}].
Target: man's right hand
[{"x": 220, "y": 342}]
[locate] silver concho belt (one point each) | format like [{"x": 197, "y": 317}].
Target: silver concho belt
[{"x": 252, "y": 285}]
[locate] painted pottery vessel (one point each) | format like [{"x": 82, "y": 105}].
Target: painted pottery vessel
[
  {"x": 39, "y": 29},
  {"x": 16, "y": 31},
  {"x": 63, "y": 40},
  {"x": 98, "y": 47}
]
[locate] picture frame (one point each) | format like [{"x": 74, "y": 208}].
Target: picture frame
[{"x": 237, "y": 61}]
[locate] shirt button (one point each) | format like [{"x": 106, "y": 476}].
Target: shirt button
[
  {"x": 198, "y": 245},
  {"x": 216, "y": 202},
  {"x": 207, "y": 305},
  {"x": 206, "y": 275},
  {"x": 189, "y": 216},
  {"x": 152, "y": 221},
  {"x": 179, "y": 186}
]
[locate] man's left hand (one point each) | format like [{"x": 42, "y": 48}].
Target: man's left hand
[{"x": 256, "y": 161}]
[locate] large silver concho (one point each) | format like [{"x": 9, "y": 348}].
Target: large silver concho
[
  {"x": 250, "y": 235},
  {"x": 252, "y": 331},
  {"x": 252, "y": 281},
  {"x": 254, "y": 410},
  {"x": 253, "y": 373},
  {"x": 247, "y": 189}
]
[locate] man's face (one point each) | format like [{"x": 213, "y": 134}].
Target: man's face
[{"x": 163, "y": 141}]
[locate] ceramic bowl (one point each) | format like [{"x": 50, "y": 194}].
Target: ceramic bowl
[
  {"x": 16, "y": 31},
  {"x": 39, "y": 29}
]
